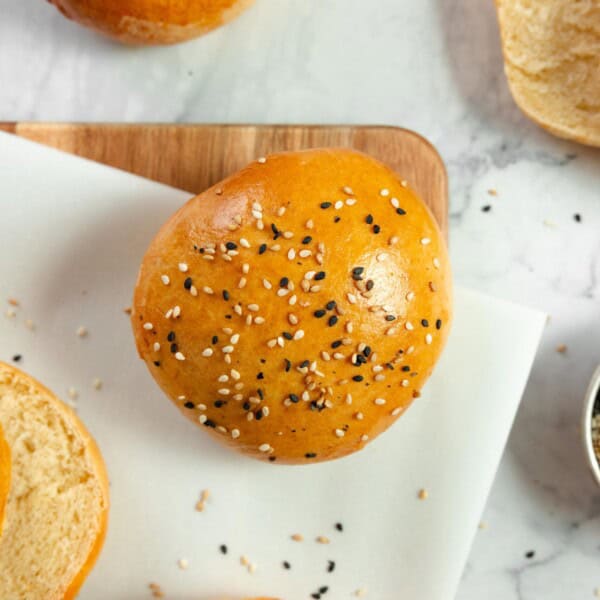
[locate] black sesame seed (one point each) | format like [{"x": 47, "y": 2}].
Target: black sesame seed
[
  {"x": 275, "y": 230},
  {"x": 323, "y": 589},
  {"x": 325, "y": 204},
  {"x": 229, "y": 317},
  {"x": 189, "y": 405},
  {"x": 316, "y": 596},
  {"x": 246, "y": 406},
  {"x": 272, "y": 458},
  {"x": 425, "y": 322},
  {"x": 187, "y": 284},
  {"x": 369, "y": 219},
  {"x": 360, "y": 360},
  {"x": 357, "y": 378},
  {"x": 400, "y": 211},
  {"x": 330, "y": 566},
  {"x": 336, "y": 344},
  {"x": 171, "y": 336},
  {"x": 390, "y": 318},
  {"x": 286, "y": 565},
  {"x": 223, "y": 549},
  {"x": 288, "y": 365},
  {"x": 357, "y": 273},
  {"x": 215, "y": 339},
  {"x": 307, "y": 239},
  {"x": 260, "y": 393},
  {"x": 319, "y": 313},
  {"x": 367, "y": 351},
  {"x": 332, "y": 320},
  {"x": 287, "y": 335},
  {"x": 310, "y": 455},
  {"x": 330, "y": 305},
  {"x": 261, "y": 375},
  {"x": 370, "y": 285},
  {"x": 390, "y": 366},
  {"x": 405, "y": 368},
  {"x": 219, "y": 403},
  {"x": 486, "y": 208},
  {"x": 258, "y": 415},
  {"x": 263, "y": 360},
  {"x": 438, "y": 324},
  {"x": 283, "y": 282},
  {"x": 304, "y": 363},
  {"x": 210, "y": 423},
  {"x": 319, "y": 275},
  {"x": 262, "y": 248},
  {"x": 337, "y": 219},
  {"x": 226, "y": 295},
  {"x": 156, "y": 362},
  {"x": 530, "y": 554},
  {"x": 174, "y": 348},
  {"x": 376, "y": 229},
  {"x": 339, "y": 527},
  {"x": 294, "y": 398},
  {"x": 231, "y": 246},
  {"x": 577, "y": 217}
]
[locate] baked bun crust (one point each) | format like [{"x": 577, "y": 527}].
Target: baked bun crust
[
  {"x": 152, "y": 22},
  {"x": 4, "y": 475},
  {"x": 295, "y": 309}
]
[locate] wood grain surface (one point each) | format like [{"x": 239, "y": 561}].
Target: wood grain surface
[{"x": 194, "y": 157}]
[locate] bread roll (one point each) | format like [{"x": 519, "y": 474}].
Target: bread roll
[
  {"x": 295, "y": 309},
  {"x": 552, "y": 62},
  {"x": 152, "y": 21},
  {"x": 4, "y": 475},
  {"x": 57, "y": 508}
]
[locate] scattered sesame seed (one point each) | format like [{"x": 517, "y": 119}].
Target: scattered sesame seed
[
  {"x": 298, "y": 537},
  {"x": 360, "y": 592},
  {"x": 561, "y": 348},
  {"x": 436, "y": 263},
  {"x": 409, "y": 326},
  {"x": 262, "y": 160},
  {"x": 264, "y": 447},
  {"x": 148, "y": 326},
  {"x": 380, "y": 401},
  {"x": 97, "y": 383},
  {"x": 428, "y": 339},
  {"x": 364, "y": 438},
  {"x": 322, "y": 539},
  {"x": 82, "y": 331},
  {"x": 423, "y": 494},
  {"x": 183, "y": 267},
  {"x": 179, "y": 356},
  {"x": 340, "y": 433},
  {"x": 183, "y": 564},
  {"x": 425, "y": 241}
]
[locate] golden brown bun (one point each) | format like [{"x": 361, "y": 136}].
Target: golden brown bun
[
  {"x": 152, "y": 21},
  {"x": 4, "y": 475},
  {"x": 397, "y": 329},
  {"x": 552, "y": 62},
  {"x": 57, "y": 510}
]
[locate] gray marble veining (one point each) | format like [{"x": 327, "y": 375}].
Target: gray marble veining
[{"x": 434, "y": 66}]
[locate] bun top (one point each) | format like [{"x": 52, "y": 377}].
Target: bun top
[
  {"x": 296, "y": 308},
  {"x": 152, "y": 21}
]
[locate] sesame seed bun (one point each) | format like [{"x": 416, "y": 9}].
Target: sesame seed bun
[
  {"x": 296, "y": 309},
  {"x": 152, "y": 22},
  {"x": 57, "y": 509}
]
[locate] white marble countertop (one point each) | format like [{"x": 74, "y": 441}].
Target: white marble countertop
[{"x": 434, "y": 66}]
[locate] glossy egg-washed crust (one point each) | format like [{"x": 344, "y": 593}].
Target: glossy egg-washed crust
[
  {"x": 233, "y": 309},
  {"x": 152, "y": 21},
  {"x": 4, "y": 476}
]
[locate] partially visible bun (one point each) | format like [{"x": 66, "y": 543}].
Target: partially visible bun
[
  {"x": 57, "y": 509},
  {"x": 152, "y": 22},
  {"x": 552, "y": 62},
  {"x": 296, "y": 309},
  {"x": 4, "y": 475}
]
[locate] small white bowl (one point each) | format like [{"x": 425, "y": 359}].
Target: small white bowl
[{"x": 591, "y": 396}]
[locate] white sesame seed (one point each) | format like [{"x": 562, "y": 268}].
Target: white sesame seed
[
  {"x": 428, "y": 339},
  {"x": 377, "y": 369},
  {"x": 425, "y": 241},
  {"x": 410, "y": 350},
  {"x": 224, "y": 391},
  {"x": 349, "y": 327},
  {"x": 391, "y": 330},
  {"x": 264, "y": 447},
  {"x": 183, "y": 267},
  {"x": 436, "y": 263},
  {"x": 210, "y": 249},
  {"x": 288, "y": 235},
  {"x": 304, "y": 253},
  {"x": 309, "y": 224},
  {"x": 314, "y": 289},
  {"x": 291, "y": 254},
  {"x": 381, "y": 257},
  {"x": 405, "y": 383},
  {"x": 245, "y": 268},
  {"x": 275, "y": 248},
  {"x": 396, "y": 411},
  {"x": 379, "y": 377},
  {"x": 394, "y": 202},
  {"x": 223, "y": 378},
  {"x": 281, "y": 292},
  {"x": 179, "y": 356},
  {"x": 339, "y": 204},
  {"x": 259, "y": 320},
  {"x": 244, "y": 243},
  {"x": 238, "y": 386},
  {"x": 410, "y": 296},
  {"x": 208, "y": 257},
  {"x": 242, "y": 283},
  {"x": 257, "y": 214},
  {"x": 148, "y": 326},
  {"x": 183, "y": 564},
  {"x": 293, "y": 319},
  {"x": 207, "y": 290},
  {"x": 227, "y": 349},
  {"x": 281, "y": 211},
  {"x": 340, "y": 433},
  {"x": 292, "y": 300},
  {"x": 299, "y": 334},
  {"x": 235, "y": 433},
  {"x": 227, "y": 330},
  {"x": 338, "y": 356},
  {"x": 384, "y": 192},
  {"x": 267, "y": 284},
  {"x": 235, "y": 374},
  {"x": 280, "y": 341},
  {"x": 221, "y": 429},
  {"x": 202, "y": 419},
  {"x": 351, "y": 298},
  {"x": 325, "y": 355},
  {"x": 364, "y": 438},
  {"x": 165, "y": 279},
  {"x": 237, "y": 309},
  {"x": 393, "y": 240},
  {"x": 260, "y": 225},
  {"x": 193, "y": 290},
  {"x": 409, "y": 326},
  {"x": 207, "y": 352},
  {"x": 272, "y": 343},
  {"x": 226, "y": 257},
  {"x": 201, "y": 406},
  {"x": 348, "y": 190},
  {"x": 380, "y": 401},
  {"x": 350, "y": 201},
  {"x": 235, "y": 338},
  {"x": 262, "y": 160},
  {"x": 156, "y": 346}
]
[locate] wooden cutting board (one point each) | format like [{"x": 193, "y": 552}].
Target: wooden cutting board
[{"x": 194, "y": 157}]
